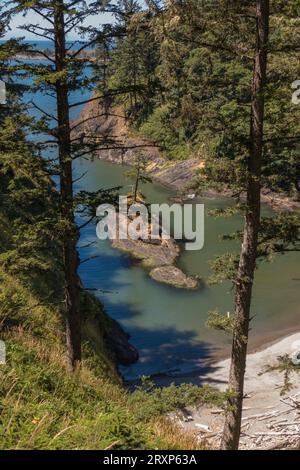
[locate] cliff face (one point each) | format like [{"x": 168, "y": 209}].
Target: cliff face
[
  {"x": 108, "y": 125},
  {"x": 106, "y": 334}
]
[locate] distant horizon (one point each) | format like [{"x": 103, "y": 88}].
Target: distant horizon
[{"x": 24, "y": 39}]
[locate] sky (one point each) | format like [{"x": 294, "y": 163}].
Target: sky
[{"x": 34, "y": 18}]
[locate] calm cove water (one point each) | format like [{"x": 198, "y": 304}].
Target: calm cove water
[{"x": 167, "y": 325}]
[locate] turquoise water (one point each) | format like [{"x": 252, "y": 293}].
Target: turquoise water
[{"x": 167, "y": 324}]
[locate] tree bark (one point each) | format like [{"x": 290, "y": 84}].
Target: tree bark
[
  {"x": 70, "y": 234},
  {"x": 248, "y": 255},
  {"x": 136, "y": 186}
]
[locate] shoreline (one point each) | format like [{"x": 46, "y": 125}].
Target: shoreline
[
  {"x": 268, "y": 414},
  {"x": 264, "y": 342},
  {"x": 273, "y": 339},
  {"x": 259, "y": 356},
  {"x": 217, "y": 358}
]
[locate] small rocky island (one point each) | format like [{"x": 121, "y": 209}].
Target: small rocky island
[{"x": 159, "y": 257}]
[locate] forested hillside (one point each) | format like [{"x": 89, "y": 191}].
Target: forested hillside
[
  {"x": 214, "y": 81},
  {"x": 189, "y": 68}
]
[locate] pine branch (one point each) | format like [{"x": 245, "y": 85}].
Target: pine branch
[
  {"x": 95, "y": 117},
  {"x": 89, "y": 259},
  {"x": 120, "y": 91},
  {"x": 86, "y": 223},
  {"x": 50, "y": 116}
]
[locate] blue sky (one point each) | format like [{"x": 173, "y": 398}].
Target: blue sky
[{"x": 36, "y": 19}]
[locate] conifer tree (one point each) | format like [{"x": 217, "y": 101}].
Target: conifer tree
[
  {"x": 134, "y": 59},
  {"x": 62, "y": 74},
  {"x": 249, "y": 249},
  {"x": 25, "y": 187}
]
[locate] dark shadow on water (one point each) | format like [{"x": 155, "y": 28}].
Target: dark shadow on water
[
  {"x": 105, "y": 285},
  {"x": 167, "y": 355},
  {"x": 170, "y": 356}
]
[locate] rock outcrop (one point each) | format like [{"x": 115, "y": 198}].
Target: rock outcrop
[
  {"x": 174, "y": 276},
  {"x": 111, "y": 123},
  {"x": 159, "y": 256}
]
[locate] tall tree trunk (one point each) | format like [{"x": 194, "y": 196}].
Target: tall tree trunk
[
  {"x": 70, "y": 236},
  {"x": 137, "y": 180},
  {"x": 245, "y": 277}
]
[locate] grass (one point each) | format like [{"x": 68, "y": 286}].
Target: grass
[{"x": 44, "y": 407}]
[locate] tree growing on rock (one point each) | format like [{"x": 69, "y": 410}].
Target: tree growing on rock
[{"x": 139, "y": 174}]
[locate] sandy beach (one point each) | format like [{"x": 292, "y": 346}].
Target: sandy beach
[{"x": 270, "y": 419}]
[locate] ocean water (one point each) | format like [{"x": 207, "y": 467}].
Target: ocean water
[{"x": 49, "y": 45}]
